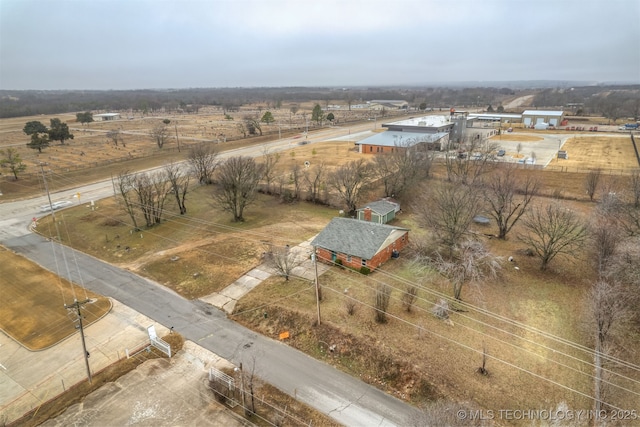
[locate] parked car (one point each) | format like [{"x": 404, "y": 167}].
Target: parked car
[{"x": 55, "y": 206}]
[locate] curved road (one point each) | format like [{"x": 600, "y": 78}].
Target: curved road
[{"x": 344, "y": 398}]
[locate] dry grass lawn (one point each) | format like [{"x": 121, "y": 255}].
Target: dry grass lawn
[
  {"x": 609, "y": 153},
  {"x": 32, "y": 310}
]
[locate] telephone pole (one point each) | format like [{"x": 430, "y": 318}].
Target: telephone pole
[
  {"x": 77, "y": 305},
  {"x": 315, "y": 266}
]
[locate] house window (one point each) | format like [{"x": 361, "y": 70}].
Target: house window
[
  {"x": 349, "y": 258},
  {"x": 364, "y": 262},
  {"x": 371, "y": 148},
  {"x": 403, "y": 237}
]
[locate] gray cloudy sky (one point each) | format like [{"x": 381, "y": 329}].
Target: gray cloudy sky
[{"x": 132, "y": 44}]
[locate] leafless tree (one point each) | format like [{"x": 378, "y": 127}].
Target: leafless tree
[
  {"x": 125, "y": 184},
  {"x": 283, "y": 260},
  {"x": 270, "y": 160},
  {"x": 296, "y": 180},
  {"x": 203, "y": 160},
  {"x": 472, "y": 160},
  {"x": 441, "y": 309},
  {"x": 608, "y": 311},
  {"x": 160, "y": 134},
  {"x": 398, "y": 170},
  {"x": 238, "y": 179},
  {"x": 349, "y": 180},
  {"x": 471, "y": 263},
  {"x": 448, "y": 211},
  {"x": 591, "y": 181},
  {"x": 152, "y": 190},
  {"x": 314, "y": 180},
  {"x": 409, "y": 297},
  {"x": 252, "y": 124},
  {"x": 552, "y": 230},
  {"x": 242, "y": 129},
  {"x": 508, "y": 197},
  {"x": 115, "y": 136},
  {"x": 179, "y": 182},
  {"x": 382, "y": 297}
]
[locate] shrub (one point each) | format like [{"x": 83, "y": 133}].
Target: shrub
[{"x": 365, "y": 270}]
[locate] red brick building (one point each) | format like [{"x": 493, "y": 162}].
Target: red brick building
[{"x": 359, "y": 244}]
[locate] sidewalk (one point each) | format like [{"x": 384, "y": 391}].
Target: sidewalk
[{"x": 227, "y": 298}]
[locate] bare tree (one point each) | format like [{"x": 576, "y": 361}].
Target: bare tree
[
  {"x": 409, "y": 297},
  {"x": 179, "y": 182},
  {"x": 349, "y": 180},
  {"x": 203, "y": 160},
  {"x": 125, "y": 184},
  {"x": 471, "y": 263},
  {"x": 509, "y": 197},
  {"x": 270, "y": 160},
  {"x": 314, "y": 180},
  {"x": 634, "y": 184},
  {"x": 283, "y": 260},
  {"x": 252, "y": 124},
  {"x": 238, "y": 179},
  {"x": 296, "y": 180},
  {"x": 152, "y": 190},
  {"x": 472, "y": 159},
  {"x": 608, "y": 311},
  {"x": 448, "y": 211},
  {"x": 398, "y": 170},
  {"x": 12, "y": 160},
  {"x": 115, "y": 136},
  {"x": 382, "y": 297},
  {"x": 552, "y": 230},
  {"x": 591, "y": 182},
  {"x": 160, "y": 134}
]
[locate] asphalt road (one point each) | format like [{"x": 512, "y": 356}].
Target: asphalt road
[{"x": 344, "y": 398}]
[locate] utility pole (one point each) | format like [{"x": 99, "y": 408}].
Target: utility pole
[
  {"x": 315, "y": 266},
  {"x": 77, "y": 305},
  {"x": 177, "y": 139}
]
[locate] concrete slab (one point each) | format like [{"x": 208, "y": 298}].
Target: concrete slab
[
  {"x": 30, "y": 378},
  {"x": 160, "y": 393}
]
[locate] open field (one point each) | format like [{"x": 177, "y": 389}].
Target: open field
[
  {"x": 597, "y": 152},
  {"x": 33, "y": 312}
]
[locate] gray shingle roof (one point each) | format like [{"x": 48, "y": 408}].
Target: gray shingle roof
[
  {"x": 358, "y": 238},
  {"x": 381, "y": 207}
]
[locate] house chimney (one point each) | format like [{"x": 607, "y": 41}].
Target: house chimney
[{"x": 367, "y": 214}]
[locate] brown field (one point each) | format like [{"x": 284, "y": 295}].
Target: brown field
[
  {"x": 32, "y": 310},
  {"x": 597, "y": 152}
]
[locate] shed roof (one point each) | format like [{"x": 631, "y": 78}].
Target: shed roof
[
  {"x": 542, "y": 113},
  {"x": 381, "y": 207},
  {"x": 357, "y": 238}
]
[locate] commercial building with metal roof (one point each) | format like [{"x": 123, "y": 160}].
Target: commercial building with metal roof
[{"x": 539, "y": 117}]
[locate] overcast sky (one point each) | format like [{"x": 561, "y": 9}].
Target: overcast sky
[{"x": 134, "y": 44}]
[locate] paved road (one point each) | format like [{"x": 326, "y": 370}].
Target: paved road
[{"x": 344, "y": 398}]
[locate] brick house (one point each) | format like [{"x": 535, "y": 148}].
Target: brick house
[{"x": 359, "y": 243}]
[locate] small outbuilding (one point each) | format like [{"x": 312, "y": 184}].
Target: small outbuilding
[
  {"x": 357, "y": 244},
  {"x": 381, "y": 211}
]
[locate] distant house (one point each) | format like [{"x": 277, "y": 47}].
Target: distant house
[
  {"x": 381, "y": 211},
  {"x": 106, "y": 116},
  {"x": 388, "y": 104},
  {"x": 358, "y": 243}
]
